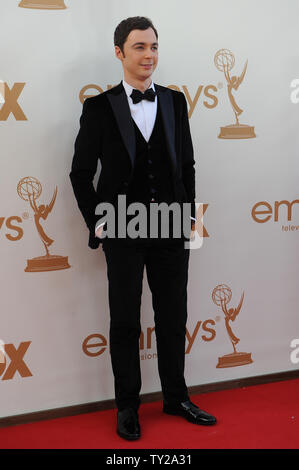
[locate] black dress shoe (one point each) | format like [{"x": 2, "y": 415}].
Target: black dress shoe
[
  {"x": 189, "y": 411},
  {"x": 127, "y": 424}
]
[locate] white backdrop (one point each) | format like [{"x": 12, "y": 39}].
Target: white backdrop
[{"x": 47, "y": 58}]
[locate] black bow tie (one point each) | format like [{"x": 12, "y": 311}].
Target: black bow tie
[{"x": 137, "y": 95}]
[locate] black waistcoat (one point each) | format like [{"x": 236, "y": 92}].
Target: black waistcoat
[{"x": 151, "y": 179}]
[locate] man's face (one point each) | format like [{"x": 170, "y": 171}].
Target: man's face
[{"x": 140, "y": 55}]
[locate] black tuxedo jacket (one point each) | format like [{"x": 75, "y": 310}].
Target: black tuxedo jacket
[{"x": 107, "y": 133}]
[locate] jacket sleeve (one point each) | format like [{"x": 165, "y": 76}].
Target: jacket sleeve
[
  {"x": 188, "y": 162},
  {"x": 84, "y": 167}
]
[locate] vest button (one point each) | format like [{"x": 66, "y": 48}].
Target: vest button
[
  {"x": 153, "y": 190},
  {"x": 150, "y": 176},
  {"x": 149, "y": 146},
  {"x": 126, "y": 183},
  {"x": 150, "y": 162}
]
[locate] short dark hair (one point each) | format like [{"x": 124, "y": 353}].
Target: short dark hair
[{"x": 124, "y": 28}]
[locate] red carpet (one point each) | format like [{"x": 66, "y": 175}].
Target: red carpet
[{"x": 256, "y": 417}]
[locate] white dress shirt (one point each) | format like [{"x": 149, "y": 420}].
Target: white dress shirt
[{"x": 144, "y": 114}]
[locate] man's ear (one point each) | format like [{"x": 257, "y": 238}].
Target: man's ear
[{"x": 118, "y": 53}]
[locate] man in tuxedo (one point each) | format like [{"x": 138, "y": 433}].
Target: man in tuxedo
[{"x": 140, "y": 132}]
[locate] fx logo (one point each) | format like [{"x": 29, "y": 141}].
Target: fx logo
[
  {"x": 16, "y": 356},
  {"x": 9, "y": 100}
]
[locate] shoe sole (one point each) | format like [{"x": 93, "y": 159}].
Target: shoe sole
[
  {"x": 190, "y": 419},
  {"x": 128, "y": 438}
]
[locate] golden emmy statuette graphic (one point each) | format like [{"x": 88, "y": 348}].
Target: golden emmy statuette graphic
[
  {"x": 221, "y": 296},
  {"x": 29, "y": 189},
  {"x": 225, "y": 61},
  {"x": 43, "y": 4}
]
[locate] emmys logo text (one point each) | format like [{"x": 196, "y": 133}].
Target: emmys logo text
[
  {"x": 9, "y": 99},
  {"x": 295, "y": 93},
  {"x": 12, "y": 360},
  {"x": 205, "y": 93},
  {"x": 96, "y": 344},
  {"x": 294, "y": 356},
  {"x": 8, "y": 223},
  {"x": 263, "y": 212}
]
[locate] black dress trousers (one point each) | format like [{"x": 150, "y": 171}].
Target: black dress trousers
[{"x": 167, "y": 273}]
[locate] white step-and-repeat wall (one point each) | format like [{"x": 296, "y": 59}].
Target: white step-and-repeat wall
[{"x": 237, "y": 64}]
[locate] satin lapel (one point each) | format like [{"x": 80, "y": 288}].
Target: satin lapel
[
  {"x": 167, "y": 110},
  {"x": 119, "y": 103}
]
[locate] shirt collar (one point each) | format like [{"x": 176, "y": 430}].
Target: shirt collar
[{"x": 128, "y": 88}]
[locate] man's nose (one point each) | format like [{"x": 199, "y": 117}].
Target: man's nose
[{"x": 149, "y": 53}]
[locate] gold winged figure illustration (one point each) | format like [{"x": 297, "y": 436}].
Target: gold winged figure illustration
[
  {"x": 29, "y": 189},
  {"x": 42, "y": 211},
  {"x": 233, "y": 83},
  {"x": 221, "y": 296},
  {"x": 224, "y": 61},
  {"x": 230, "y": 315}
]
